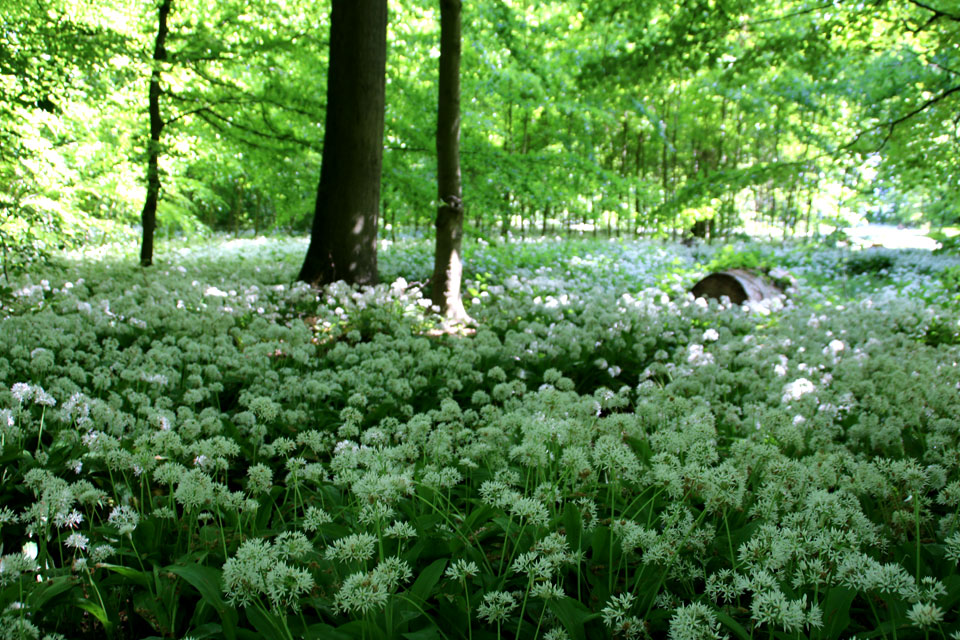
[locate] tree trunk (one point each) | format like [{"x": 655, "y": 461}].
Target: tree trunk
[
  {"x": 343, "y": 240},
  {"x": 447, "y": 264},
  {"x": 149, "y": 216}
]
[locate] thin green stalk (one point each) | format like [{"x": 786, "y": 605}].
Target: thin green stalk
[
  {"x": 456, "y": 530},
  {"x": 466, "y": 593},
  {"x": 916, "y": 520},
  {"x": 875, "y": 615},
  {"x": 676, "y": 556},
  {"x": 40, "y": 432},
  {"x": 428, "y": 617},
  {"x": 516, "y": 545},
  {"x": 540, "y": 621},
  {"x": 503, "y": 551},
  {"x": 733, "y": 557},
  {"x": 223, "y": 537},
  {"x": 143, "y": 568},
  {"x": 96, "y": 590},
  {"x": 523, "y": 608}
]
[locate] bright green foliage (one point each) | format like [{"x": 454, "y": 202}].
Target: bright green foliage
[{"x": 704, "y": 118}]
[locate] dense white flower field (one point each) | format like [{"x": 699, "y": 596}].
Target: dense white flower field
[{"x": 206, "y": 450}]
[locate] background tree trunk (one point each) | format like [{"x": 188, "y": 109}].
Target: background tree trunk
[
  {"x": 149, "y": 215},
  {"x": 447, "y": 264},
  {"x": 343, "y": 239}
]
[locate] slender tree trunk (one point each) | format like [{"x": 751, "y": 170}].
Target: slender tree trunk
[
  {"x": 343, "y": 240},
  {"x": 505, "y": 224},
  {"x": 447, "y": 263},
  {"x": 393, "y": 224},
  {"x": 149, "y": 216}
]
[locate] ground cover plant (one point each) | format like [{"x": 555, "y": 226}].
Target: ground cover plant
[{"x": 204, "y": 450}]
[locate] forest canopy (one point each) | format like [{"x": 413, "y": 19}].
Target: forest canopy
[{"x": 647, "y": 118}]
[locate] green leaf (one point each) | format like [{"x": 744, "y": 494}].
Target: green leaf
[
  {"x": 952, "y": 584},
  {"x": 267, "y": 624},
  {"x": 97, "y": 612},
  {"x": 573, "y": 615},
  {"x": 836, "y": 612},
  {"x": 427, "y": 579},
  {"x": 153, "y": 611},
  {"x": 573, "y": 522},
  {"x": 207, "y": 581},
  {"x": 322, "y": 631},
  {"x": 48, "y": 590},
  {"x": 430, "y": 633},
  {"x": 732, "y": 624},
  {"x": 133, "y": 575}
]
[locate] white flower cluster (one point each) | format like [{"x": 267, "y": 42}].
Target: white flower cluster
[{"x": 770, "y": 453}]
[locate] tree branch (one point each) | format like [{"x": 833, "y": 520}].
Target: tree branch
[
  {"x": 890, "y": 125},
  {"x": 937, "y": 13},
  {"x": 208, "y": 115}
]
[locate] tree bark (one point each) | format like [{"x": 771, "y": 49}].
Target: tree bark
[
  {"x": 343, "y": 239},
  {"x": 447, "y": 264},
  {"x": 149, "y": 215}
]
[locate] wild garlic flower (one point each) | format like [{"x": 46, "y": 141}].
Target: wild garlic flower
[
  {"x": 164, "y": 513},
  {"x": 367, "y": 591},
  {"x": 496, "y": 606},
  {"x": 925, "y": 615},
  {"x": 547, "y": 591},
  {"x": 194, "y": 489},
  {"x": 101, "y": 552},
  {"x": 373, "y": 513},
  {"x": 633, "y": 536},
  {"x": 694, "y": 621},
  {"x": 400, "y": 530},
  {"x": 22, "y": 392},
  {"x": 77, "y": 541},
  {"x": 361, "y": 593},
  {"x": 69, "y": 520},
  {"x": 13, "y": 565},
  {"x": 444, "y": 478},
  {"x": 357, "y": 547},
  {"x": 292, "y": 545},
  {"x": 125, "y": 518},
  {"x": 721, "y": 587},
  {"x": 797, "y": 389},
  {"x": 557, "y": 633},
  {"x": 952, "y": 545},
  {"x": 17, "y": 627},
  {"x": 260, "y": 479},
  {"x": 530, "y": 511},
  {"x": 617, "y": 609},
  {"x": 258, "y": 569},
  {"x": 462, "y": 569},
  {"x": 498, "y": 494},
  {"x": 773, "y": 608},
  {"x": 613, "y": 456},
  {"x": 285, "y": 585},
  {"x": 314, "y": 518}
]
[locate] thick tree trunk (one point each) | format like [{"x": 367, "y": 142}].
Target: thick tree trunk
[
  {"x": 447, "y": 264},
  {"x": 343, "y": 240},
  {"x": 149, "y": 215}
]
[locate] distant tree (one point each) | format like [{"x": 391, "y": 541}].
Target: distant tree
[
  {"x": 448, "y": 265},
  {"x": 343, "y": 239},
  {"x": 149, "y": 215}
]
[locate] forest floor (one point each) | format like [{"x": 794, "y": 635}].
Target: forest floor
[
  {"x": 891, "y": 237},
  {"x": 205, "y": 449}
]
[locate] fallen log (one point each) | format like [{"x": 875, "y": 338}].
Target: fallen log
[{"x": 739, "y": 285}]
